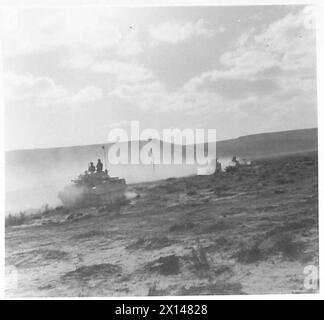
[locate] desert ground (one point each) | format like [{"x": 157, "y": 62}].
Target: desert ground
[{"x": 247, "y": 231}]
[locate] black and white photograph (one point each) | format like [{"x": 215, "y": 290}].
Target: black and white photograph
[{"x": 166, "y": 151}]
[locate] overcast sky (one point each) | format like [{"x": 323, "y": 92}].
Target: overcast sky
[{"x": 70, "y": 75}]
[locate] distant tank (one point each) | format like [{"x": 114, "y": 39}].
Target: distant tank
[{"x": 93, "y": 189}]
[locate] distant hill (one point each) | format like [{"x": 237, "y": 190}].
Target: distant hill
[
  {"x": 33, "y": 177},
  {"x": 269, "y": 144},
  {"x": 255, "y": 146}
]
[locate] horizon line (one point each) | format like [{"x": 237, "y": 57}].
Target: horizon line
[{"x": 105, "y": 143}]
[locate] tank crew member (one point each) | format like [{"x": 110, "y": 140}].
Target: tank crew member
[
  {"x": 218, "y": 167},
  {"x": 236, "y": 162},
  {"x": 99, "y": 166},
  {"x": 91, "y": 168}
]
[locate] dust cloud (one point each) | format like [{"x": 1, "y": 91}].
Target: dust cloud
[{"x": 34, "y": 178}]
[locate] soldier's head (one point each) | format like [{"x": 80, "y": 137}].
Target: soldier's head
[{"x": 99, "y": 160}]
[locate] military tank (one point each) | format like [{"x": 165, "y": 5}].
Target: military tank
[{"x": 93, "y": 189}]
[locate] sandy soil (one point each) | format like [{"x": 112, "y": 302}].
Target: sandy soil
[{"x": 251, "y": 231}]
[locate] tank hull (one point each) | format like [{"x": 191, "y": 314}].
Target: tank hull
[{"x": 105, "y": 193}]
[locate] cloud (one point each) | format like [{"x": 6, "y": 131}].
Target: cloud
[
  {"x": 86, "y": 95},
  {"x": 20, "y": 87},
  {"x": 233, "y": 89},
  {"x": 281, "y": 57},
  {"x": 145, "y": 96},
  {"x": 123, "y": 71},
  {"x": 78, "y": 30},
  {"x": 288, "y": 43},
  {"x": 119, "y": 124},
  {"x": 42, "y": 30},
  {"x": 265, "y": 75},
  {"x": 264, "y": 81},
  {"x": 77, "y": 60},
  {"x": 130, "y": 45},
  {"x": 169, "y": 32},
  {"x": 28, "y": 90}
]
